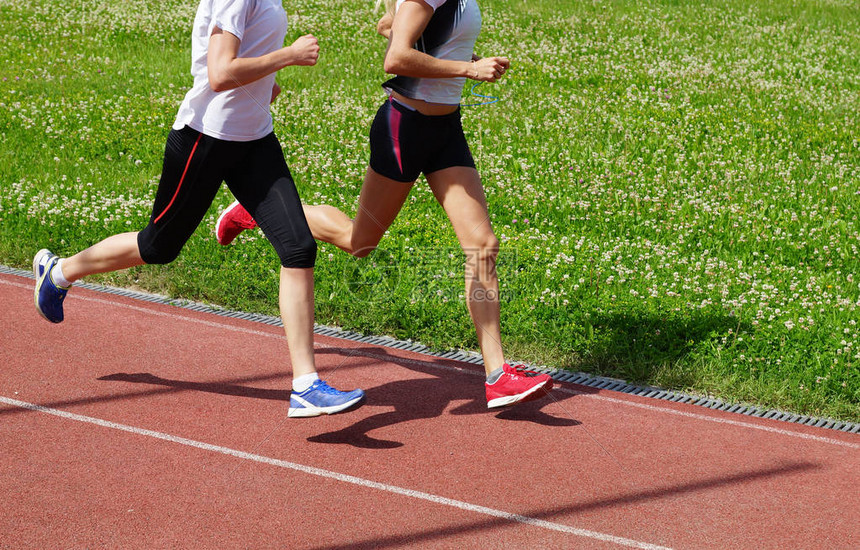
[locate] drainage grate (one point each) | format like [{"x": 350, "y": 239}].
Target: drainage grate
[{"x": 597, "y": 382}]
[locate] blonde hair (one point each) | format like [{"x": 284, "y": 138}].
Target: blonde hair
[{"x": 389, "y": 5}]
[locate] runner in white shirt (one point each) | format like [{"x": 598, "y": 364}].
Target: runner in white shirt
[
  {"x": 417, "y": 130},
  {"x": 223, "y": 133}
]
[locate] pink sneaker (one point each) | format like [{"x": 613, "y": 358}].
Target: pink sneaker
[
  {"x": 232, "y": 221},
  {"x": 517, "y": 385}
]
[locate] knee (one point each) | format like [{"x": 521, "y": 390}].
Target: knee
[
  {"x": 156, "y": 253},
  {"x": 159, "y": 256},
  {"x": 485, "y": 250},
  {"x": 361, "y": 248},
  {"x": 481, "y": 257},
  {"x": 302, "y": 255},
  {"x": 363, "y": 252}
]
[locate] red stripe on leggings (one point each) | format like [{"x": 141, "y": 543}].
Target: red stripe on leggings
[
  {"x": 394, "y": 125},
  {"x": 182, "y": 179}
]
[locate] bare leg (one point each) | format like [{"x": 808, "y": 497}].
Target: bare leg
[
  {"x": 296, "y": 300},
  {"x": 296, "y": 294},
  {"x": 459, "y": 191},
  {"x": 379, "y": 203},
  {"x": 112, "y": 254}
]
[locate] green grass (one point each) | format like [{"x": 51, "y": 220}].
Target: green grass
[{"x": 675, "y": 184}]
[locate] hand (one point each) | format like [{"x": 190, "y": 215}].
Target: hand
[
  {"x": 276, "y": 90},
  {"x": 305, "y": 50},
  {"x": 384, "y": 25},
  {"x": 489, "y": 69}
]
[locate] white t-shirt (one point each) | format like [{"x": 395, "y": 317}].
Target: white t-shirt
[
  {"x": 450, "y": 34},
  {"x": 240, "y": 114}
]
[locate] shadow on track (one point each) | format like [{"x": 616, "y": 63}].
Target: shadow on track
[
  {"x": 411, "y": 399},
  {"x": 429, "y": 397},
  {"x": 210, "y": 387}
]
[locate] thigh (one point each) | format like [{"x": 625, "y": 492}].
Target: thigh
[
  {"x": 458, "y": 189},
  {"x": 192, "y": 172},
  {"x": 263, "y": 184},
  {"x": 453, "y": 149},
  {"x": 378, "y": 205}
]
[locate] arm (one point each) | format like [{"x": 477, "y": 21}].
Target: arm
[
  {"x": 227, "y": 71},
  {"x": 402, "y": 59}
]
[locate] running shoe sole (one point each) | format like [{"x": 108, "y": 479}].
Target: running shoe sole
[
  {"x": 529, "y": 395},
  {"x": 39, "y": 279},
  {"x": 311, "y": 410}
]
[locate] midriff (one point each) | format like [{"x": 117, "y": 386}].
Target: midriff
[{"x": 429, "y": 109}]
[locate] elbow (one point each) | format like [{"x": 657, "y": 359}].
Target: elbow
[
  {"x": 219, "y": 80},
  {"x": 217, "y": 84},
  {"x": 398, "y": 59},
  {"x": 392, "y": 64}
]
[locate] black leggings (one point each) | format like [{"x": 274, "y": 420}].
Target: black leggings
[{"x": 257, "y": 175}]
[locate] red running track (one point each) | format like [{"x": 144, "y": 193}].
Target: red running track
[{"x": 141, "y": 425}]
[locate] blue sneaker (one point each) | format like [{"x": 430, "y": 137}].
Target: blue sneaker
[
  {"x": 321, "y": 398},
  {"x": 48, "y": 296}
]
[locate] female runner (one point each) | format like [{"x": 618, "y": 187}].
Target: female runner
[
  {"x": 223, "y": 132},
  {"x": 418, "y": 130}
]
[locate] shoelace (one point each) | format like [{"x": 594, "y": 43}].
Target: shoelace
[
  {"x": 325, "y": 388},
  {"x": 243, "y": 218},
  {"x": 246, "y": 222},
  {"x": 522, "y": 371}
]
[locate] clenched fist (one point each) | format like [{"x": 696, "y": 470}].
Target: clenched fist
[{"x": 305, "y": 50}]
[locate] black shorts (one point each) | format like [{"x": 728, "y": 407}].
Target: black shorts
[
  {"x": 404, "y": 143},
  {"x": 194, "y": 167}
]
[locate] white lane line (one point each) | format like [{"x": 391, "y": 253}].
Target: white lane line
[
  {"x": 517, "y": 518},
  {"x": 739, "y": 423},
  {"x": 390, "y": 358}
]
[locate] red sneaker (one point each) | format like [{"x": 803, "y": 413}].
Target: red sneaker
[
  {"x": 231, "y": 222},
  {"x": 517, "y": 385}
]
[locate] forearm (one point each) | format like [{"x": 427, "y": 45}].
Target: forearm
[
  {"x": 411, "y": 62},
  {"x": 240, "y": 71},
  {"x": 228, "y": 71}
]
